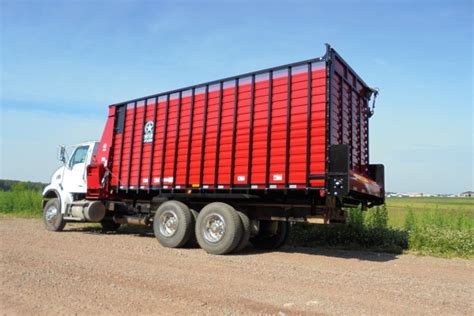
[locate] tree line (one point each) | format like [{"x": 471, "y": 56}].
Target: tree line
[{"x": 15, "y": 185}]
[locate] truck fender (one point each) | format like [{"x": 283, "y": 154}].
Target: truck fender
[
  {"x": 50, "y": 194},
  {"x": 53, "y": 193}
]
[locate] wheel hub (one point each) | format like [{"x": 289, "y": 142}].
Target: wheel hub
[
  {"x": 214, "y": 228},
  {"x": 168, "y": 223},
  {"x": 51, "y": 214}
]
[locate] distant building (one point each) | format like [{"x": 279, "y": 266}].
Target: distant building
[
  {"x": 415, "y": 194},
  {"x": 467, "y": 194},
  {"x": 395, "y": 194}
]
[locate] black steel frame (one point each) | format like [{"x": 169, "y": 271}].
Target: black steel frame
[
  {"x": 288, "y": 129},
  {"x": 119, "y": 172},
  {"x": 308, "y": 127},
  {"x": 152, "y": 153},
  {"x": 218, "y": 137},
  {"x": 203, "y": 140},
  {"x": 130, "y": 156},
  {"x": 252, "y": 110},
  {"x": 165, "y": 136},
  {"x": 234, "y": 131},
  {"x": 141, "y": 146},
  {"x": 269, "y": 129},
  {"x": 190, "y": 136},
  {"x": 176, "y": 141}
]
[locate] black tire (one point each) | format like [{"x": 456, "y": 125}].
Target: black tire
[
  {"x": 270, "y": 240},
  {"x": 244, "y": 241},
  {"x": 172, "y": 224},
  {"x": 52, "y": 217},
  {"x": 192, "y": 242},
  {"x": 108, "y": 225},
  {"x": 227, "y": 231}
]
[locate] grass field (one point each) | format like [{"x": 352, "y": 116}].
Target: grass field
[
  {"x": 21, "y": 203},
  {"x": 452, "y": 210},
  {"x": 434, "y": 226}
]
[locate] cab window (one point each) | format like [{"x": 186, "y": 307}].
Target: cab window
[{"x": 79, "y": 155}]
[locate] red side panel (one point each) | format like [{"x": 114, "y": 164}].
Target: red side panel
[
  {"x": 235, "y": 127},
  {"x": 196, "y": 138},
  {"x": 103, "y": 152}
]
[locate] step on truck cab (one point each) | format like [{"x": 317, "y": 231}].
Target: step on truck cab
[{"x": 228, "y": 162}]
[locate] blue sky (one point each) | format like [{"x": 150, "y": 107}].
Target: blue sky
[{"x": 64, "y": 62}]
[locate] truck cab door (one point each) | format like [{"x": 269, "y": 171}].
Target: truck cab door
[{"x": 74, "y": 179}]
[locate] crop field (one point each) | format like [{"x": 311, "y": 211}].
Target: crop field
[
  {"x": 432, "y": 226},
  {"x": 454, "y": 211}
]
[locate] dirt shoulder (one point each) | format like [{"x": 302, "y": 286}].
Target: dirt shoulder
[{"x": 83, "y": 272}]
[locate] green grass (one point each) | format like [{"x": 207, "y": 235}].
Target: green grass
[
  {"x": 450, "y": 207},
  {"x": 433, "y": 226},
  {"x": 21, "y": 203},
  {"x": 436, "y": 226},
  {"x": 363, "y": 231}
]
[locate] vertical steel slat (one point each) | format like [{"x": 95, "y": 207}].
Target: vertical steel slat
[
  {"x": 367, "y": 134},
  {"x": 308, "y": 127},
  {"x": 165, "y": 131},
  {"x": 152, "y": 154},
  {"x": 341, "y": 91},
  {"x": 141, "y": 146},
  {"x": 288, "y": 129},
  {"x": 203, "y": 144},
  {"x": 269, "y": 128},
  {"x": 234, "y": 132},
  {"x": 360, "y": 133},
  {"x": 119, "y": 173},
  {"x": 131, "y": 145},
  {"x": 351, "y": 138},
  {"x": 252, "y": 106},
  {"x": 191, "y": 118},
  {"x": 176, "y": 141},
  {"x": 329, "y": 124},
  {"x": 218, "y": 137}
]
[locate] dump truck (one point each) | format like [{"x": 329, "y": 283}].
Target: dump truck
[{"x": 227, "y": 163}]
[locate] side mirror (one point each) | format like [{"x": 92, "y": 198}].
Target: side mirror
[{"x": 62, "y": 154}]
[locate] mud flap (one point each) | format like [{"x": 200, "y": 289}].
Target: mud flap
[{"x": 338, "y": 175}]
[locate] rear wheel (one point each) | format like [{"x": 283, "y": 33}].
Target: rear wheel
[
  {"x": 192, "y": 242},
  {"x": 172, "y": 224},
  {"x": 244, "y": 241},
  {"x": 218, "y": 228},
  {"x": 52, "y": 217},
  {"x": 272, "y": 235}
]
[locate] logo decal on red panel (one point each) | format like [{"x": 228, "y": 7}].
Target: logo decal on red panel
[{"x": 148, "y": 132}]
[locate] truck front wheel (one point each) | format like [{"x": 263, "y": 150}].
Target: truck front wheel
[
  {"x": 52, "y": 217},
  {"x": 218, "y": 228},
  {"x": 172, "y": 224}
]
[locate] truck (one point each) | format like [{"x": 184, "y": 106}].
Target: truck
[{"x": 227, "y": 163}]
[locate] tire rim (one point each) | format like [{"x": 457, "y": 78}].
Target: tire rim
[
  {"x": 168, "y": 223},
  {"x": 214, "y": 228},
  {"x": 51, "y": 214}
]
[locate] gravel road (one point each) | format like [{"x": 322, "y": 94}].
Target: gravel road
[{"x": 81, "y": 271}]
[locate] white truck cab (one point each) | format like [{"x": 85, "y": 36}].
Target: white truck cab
[{"x": 69, "y": 182}]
